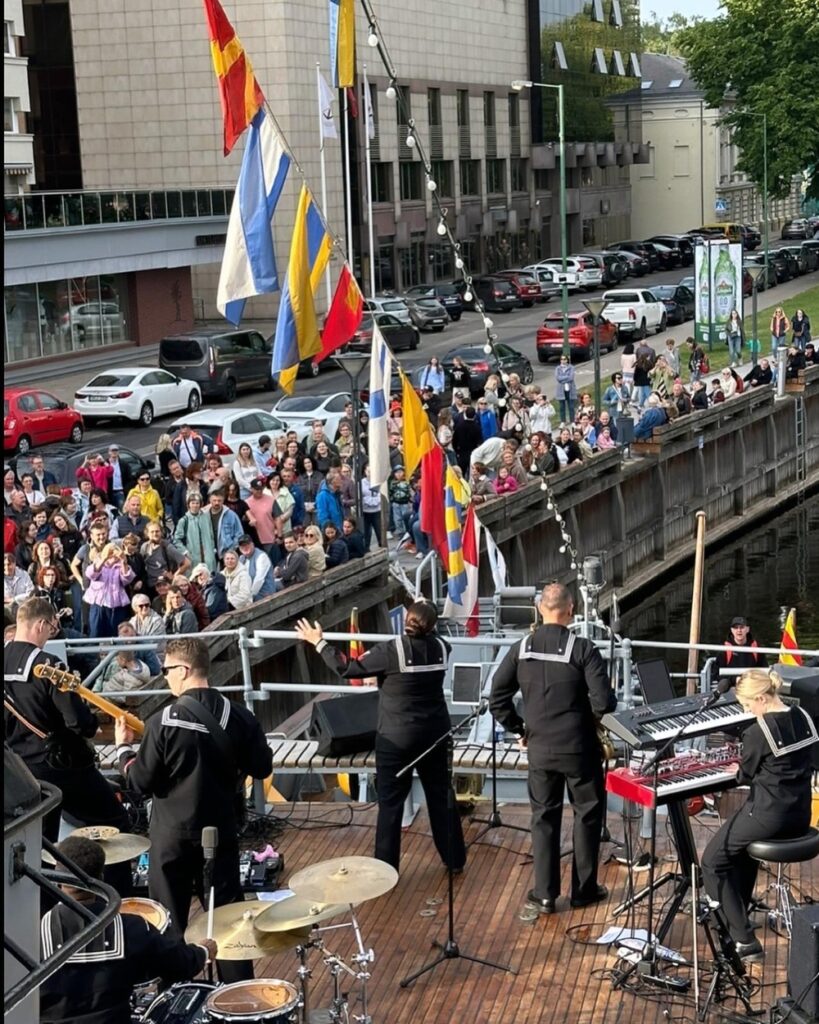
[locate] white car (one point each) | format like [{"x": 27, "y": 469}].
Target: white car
[
  {"x": 389, "y": 304},
  {"x": 230, "y": 427},
  {"x": 91, "y": 321},
  {"x": 137, "y": 393},
  {"x": 584, "y": 273},
  {"x": 299, "y": 412}
]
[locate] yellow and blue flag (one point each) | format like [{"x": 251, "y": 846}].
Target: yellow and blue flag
[
  {"x": 297, "y": 331},
  {"x": 342, "y": 42},
  {"x": 455, "y": 500}
]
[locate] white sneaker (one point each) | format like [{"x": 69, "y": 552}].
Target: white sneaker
[
  {"x": 419, "y": 555},
  {"x": 389, "y": 535}
]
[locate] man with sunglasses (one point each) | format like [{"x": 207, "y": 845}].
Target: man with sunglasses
[
  {"x": 51, "y": 729},
  {"x": 193, "y": 760}
]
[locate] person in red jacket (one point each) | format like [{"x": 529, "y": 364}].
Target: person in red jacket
[
  {"x": 739, "y": 635},
  {"x": 9, "y": 535}
]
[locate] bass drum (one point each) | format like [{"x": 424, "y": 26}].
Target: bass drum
[
  {"x": 260, "y": 1001},
  {"x": 180, "y": 1004}
]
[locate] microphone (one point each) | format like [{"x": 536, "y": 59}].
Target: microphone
[
  {"x": 722, "y": 687},
  {"x": 210, "y": 840}
]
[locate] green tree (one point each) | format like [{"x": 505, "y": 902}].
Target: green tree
[
  {"x": 762, "y": 57},
  {"x": 659, "y": 36}
]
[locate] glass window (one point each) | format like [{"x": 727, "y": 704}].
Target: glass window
[
  {"x": 442, "y": 176},
  {"x": 470, "y": 177},
  {"x": 559, "y": 61},
  {"x": 9, "y": 115},
  {"x": 617, "y": 66},
  {"x": 616, "y": 14},
  {"x": 518, "y": 174},
  {"x": 27, "y": 403},
  {"x": 218, "y": 202},
  {"x": 441, "y": 260},
  {"x": 463, "y": 108},
  {"x": 47, "y": 402},
  {"x": 188, "y": 204},
  {"x": 159, "y": 210},
  {"x": 381, "y": 176},
  {"x": 54, "y": 330},
  {"x": 434, "y": 106},
  {"x": 489, "y": 109},
  {"x": 514, "y": 110},
  {"x": 257, "y": 343},
  {"x": 598, "y": 62},
  {"x": 22, "y": 323},
  {"x": 413, "y": 270},
  {"x": 597, "y": 10},
  {"x": 403, "y": 108},
  {"x": 411, "y": 187},
  {"x": 384, "y": 275},
  {"x": 142, "y": 201},
  {"x": 174, "y": 202},
  {"x": 495, "y": 176},
  {"x": 8, "y": 39}
]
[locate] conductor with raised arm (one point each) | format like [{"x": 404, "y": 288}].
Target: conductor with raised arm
[{"x": 565, "y": 688}]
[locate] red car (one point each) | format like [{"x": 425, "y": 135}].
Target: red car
[
  {"x": 581, "y": 335},
  {"x": 524, "y": 284},
  {"x": 32, "y": 417}
]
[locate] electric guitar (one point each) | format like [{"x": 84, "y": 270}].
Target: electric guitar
[{"x": 70, "y": 682}]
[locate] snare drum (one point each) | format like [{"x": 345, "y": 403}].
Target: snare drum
[
  {"x": 261, "y": 1001},
  {"x": 151, "y": 911},
  {"x": 180, "y": 1004}
]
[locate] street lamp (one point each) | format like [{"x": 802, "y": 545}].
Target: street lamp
[
  {"x": 354, "y": 364},
  {"x": 596, "y": 307},
  {"x": 518, "y": 85},
  {"x": 764, "y": 116},
  {"x": 754, "y": 270}
]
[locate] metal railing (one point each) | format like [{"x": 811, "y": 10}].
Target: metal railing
[{"x": 46, "y": 211}]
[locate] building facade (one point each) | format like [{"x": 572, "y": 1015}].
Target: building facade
[
  {"x": 18, "y": 149},
  {"x": 123, "y": 237}
]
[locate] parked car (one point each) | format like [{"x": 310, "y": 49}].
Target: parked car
[
  {"x": 546, "y": 277},
  {"x": 681, "y": 243},
  {"x": 96, "y": 322},
  {"x": 644, "y": 249},
  {"x": 611, "y": 267},
  {"x": 504, "y": 359},
  {"x": 230, "y": 428},
  {"x": 789, "y": 259},
  {"x": 798, "y": 253},
  {"x": 687, "y": 282},
  {"x": 524, "y": 284},
  {"x": 797, "y": 228},
  {"x": 220, "y": 362},
  {"x": 396, "y": 333},
  {"x": 811, "y": 252},
  {"x": 299, "y": 412},
  {"x": 776, "y": 271},
  {"x": 135, "y": 393},
  {"x": 678, "y": 300},
  {"x": 33, "y": 417},
  {"x": 669, "y": 258},
  {"x": 636, "y": 266},
  {"x": 549, "y": 341},
  {"x": 635, "y": 311},
  {"x": 63, "y": 460},
  {"x": 586, "y": 273},
  {"x": 447, "y": 294},
  {"x": 495, "y": 293},
  {"x": 428, "y": 314},
  {"x": 389, "y": 304},
  {"x": 751, "y": 237},
  {"x": 733, "y": 232}
]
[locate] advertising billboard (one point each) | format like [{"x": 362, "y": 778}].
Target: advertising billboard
[{"x": 718, "y": 273}]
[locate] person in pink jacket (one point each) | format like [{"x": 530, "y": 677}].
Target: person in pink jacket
[
  {"x": 106, "y": 596},
  {"x": 505, "y": 483}
]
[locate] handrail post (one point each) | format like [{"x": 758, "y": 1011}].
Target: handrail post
[{"x": 628, "y": 687}]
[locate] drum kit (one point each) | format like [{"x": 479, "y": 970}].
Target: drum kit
[{"x": 258, "y": 928}]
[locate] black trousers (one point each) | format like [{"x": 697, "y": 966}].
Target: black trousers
[
  {"x": 584, "y": 778},
  {"x": 175, "y": 872},
  {"x": 440, "y": 798},
  {"x": 729, "y": 873}
]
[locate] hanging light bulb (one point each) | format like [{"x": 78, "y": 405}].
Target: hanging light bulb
[
  {"x": 544, "y": 487},
  {"x": 441, "y": 229},
  {"x": 459, "y": 263},
  {"x": 487, "y": 349},
  {"x": 558, "y": 518},
  {"x": 573, "y": 565},
  {"x": 549, "y": 504},
  {"x": 562, "y": 549},
  {"x": 411, "y": 141},
  {"x": 488, "y": 324},
  {"x": 505, "y": 377},
  {"x": 468, "y": 296},
  {"x": 501, "y": 402},
  {"x": 372, "y": 38},
  {"x": 431, "y": 185},
  {"x": 390, "y": 92}
]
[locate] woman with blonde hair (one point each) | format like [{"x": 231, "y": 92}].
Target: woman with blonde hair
[
  {"x": 316, "y": 558},
  {"x": 165, "y": 454},
  {"x": 776, "y": 761}
]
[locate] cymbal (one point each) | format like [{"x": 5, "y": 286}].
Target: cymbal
[
  {"x": 118, "y": 846},
  {"x": 345, "y": 880},
  {"x": 296, "y": 912},
  {"x": 234, "y": 929}
]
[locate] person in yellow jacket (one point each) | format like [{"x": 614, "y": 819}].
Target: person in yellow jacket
[{"x": 150, "y": 500}]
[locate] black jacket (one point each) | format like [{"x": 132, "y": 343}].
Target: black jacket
[
  {"x": 729, "y": 657},
  {"x": 181, "y": 767},
  {"x": 95, "y": 985},
  {"x": 410, "y": 671},
  {"x": 776, "y": 761},
  {"x": 565, "y": 688}
]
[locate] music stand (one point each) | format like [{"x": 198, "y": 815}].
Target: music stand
[{"x": 655, "y": 682}]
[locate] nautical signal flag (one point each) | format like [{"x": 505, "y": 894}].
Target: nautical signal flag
[
  {"x": 239, "y": 92},
  {"x": 356, "y": 646},
  {"x": 789, "y": 643},
  {"x": 297, "y": 334},
  {"x": 455, "y": 500},
  {"x": 417, "y": 431},
  {"x": 467, "y": 609},
  {"x": 342, "y": 42},
  {"x": 433, "y": 515},
  {"x": 249, "y": 262},
  {"x": 378, "y": 448},
  {"x": 344, "y": 315}
]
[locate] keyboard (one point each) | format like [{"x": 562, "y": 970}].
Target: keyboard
[
  {"x": 678, "y": 778},
  {"x": 652, "y": 724}
]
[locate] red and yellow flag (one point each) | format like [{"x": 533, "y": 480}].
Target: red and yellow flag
[
  {"x": 789, "y": 643},
  {"x": 344, "y": 315},
  {"x": 239, "y": 92},
  {"x": 356, "y": 646}
]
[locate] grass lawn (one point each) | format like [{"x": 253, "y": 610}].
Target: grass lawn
[{"x": 807, "y": 300}]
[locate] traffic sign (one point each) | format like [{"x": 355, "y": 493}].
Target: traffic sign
[{"x": 720, "y": 205}]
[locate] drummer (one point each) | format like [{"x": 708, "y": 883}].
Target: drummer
[
  {"x": 412, "y": 712},
  {"x": 96, "y": 984}
]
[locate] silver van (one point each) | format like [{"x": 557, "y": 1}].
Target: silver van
[{"x": 221, "y": 362}]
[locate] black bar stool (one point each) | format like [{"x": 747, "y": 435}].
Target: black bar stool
[{"x": 783, "y": 852}]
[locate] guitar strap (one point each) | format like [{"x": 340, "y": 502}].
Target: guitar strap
[{"x": 7, "y": 704}]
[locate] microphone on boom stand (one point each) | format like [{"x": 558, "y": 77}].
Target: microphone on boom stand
[
  {"x": 613, "y": 629},
  {"x": 210, "y": 840}
]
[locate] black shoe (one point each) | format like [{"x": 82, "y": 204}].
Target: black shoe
[
  {"x": 546, "y": 906},
  {"x": 601, "y": 894},
  {"x": 457, "y": 871},
  {"x": 752, "y": 951}
]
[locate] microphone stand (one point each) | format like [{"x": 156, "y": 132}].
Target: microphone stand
[
  {"x": 450, "y": 950},
  {"x": 494, "y": 820},
  {"x": 210, "y": 840}
]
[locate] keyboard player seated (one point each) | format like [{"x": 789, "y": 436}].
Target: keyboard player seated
[{"x": 776, "y": 762}]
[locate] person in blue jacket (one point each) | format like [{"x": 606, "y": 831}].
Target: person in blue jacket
[
  {"x": 654, "y": 416},
  {"x": 226, "y": 525},
  {"x": 328, "y": 503}
]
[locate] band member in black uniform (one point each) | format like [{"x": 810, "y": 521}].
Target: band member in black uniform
[
  {"x": 776, "y": 761},
  {"x": 96, "y": 984},
  {"x": 565, "y": 686},
  {"x": 182, "y": 765},
  {"x": 51, "y": 731},
  {"x": 412, "y": 712}
]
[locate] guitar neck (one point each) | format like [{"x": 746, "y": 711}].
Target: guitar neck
[{"x": 111, "y": 709}]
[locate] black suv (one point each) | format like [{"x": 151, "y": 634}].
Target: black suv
[
  {"x": 681, "y": 244},
  {"x": 63, "y": 460},
  {"x": 221, "y": 362},
  {"x": 446, "y": 294},
  {"x": 496, "y": 294},
  {"x": 644, "y": 249}
]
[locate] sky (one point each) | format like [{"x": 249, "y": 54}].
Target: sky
[{"x": 664, "y": 8}]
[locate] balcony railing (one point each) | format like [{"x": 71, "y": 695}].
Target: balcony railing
[{"x": 38, "y": 211}]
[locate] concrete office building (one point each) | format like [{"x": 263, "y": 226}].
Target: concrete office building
[
  {"x": 18, "y": 151},
  {"x": 124, "y": 243}
]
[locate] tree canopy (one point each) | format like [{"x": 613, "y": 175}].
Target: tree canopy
[
  {"x": 763, "y": 57},
  {"x": 662, "y": 35}
]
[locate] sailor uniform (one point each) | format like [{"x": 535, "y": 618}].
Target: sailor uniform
[
  {"x": 776, "y": 760},
  {"x": 95, "y": 985},
  {"x": 412, "y": 713},
  {"x": 65, "y": 723},
  {"x": 565, "y": 687},
  {"x": 181, "y": 767}
]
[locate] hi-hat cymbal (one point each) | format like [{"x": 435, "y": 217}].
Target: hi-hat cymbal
[
  {"x": 235, "y": 932},
  {"x": 296, "y": 912},
  {"x": 345, "y": 880},
  {"x": 118, "y": 846}
]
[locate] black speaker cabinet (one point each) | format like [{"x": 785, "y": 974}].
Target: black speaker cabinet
[
  {"x": 803, "y": 964},
  {"x": 345, "y": 725}
]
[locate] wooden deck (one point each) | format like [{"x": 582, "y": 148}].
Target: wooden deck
[{"x": 560, "y": 977}]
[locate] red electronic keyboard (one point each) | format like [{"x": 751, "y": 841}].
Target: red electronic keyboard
[{"x": 678, "y": 777}]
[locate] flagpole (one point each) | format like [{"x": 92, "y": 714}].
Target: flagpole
[
  {"x": 368, "y": 120},
  {"x": 323, "y": 174},
  {"x": 349, "y": 198}
]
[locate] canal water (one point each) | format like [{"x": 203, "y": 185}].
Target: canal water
[{"x": 760, "y": 575}]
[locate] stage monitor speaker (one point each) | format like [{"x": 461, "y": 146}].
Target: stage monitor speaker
[
  {"x": 803, "y": 963},
  {"x": 467, "y": 683},
  {"x": 345, "y": 725}
]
